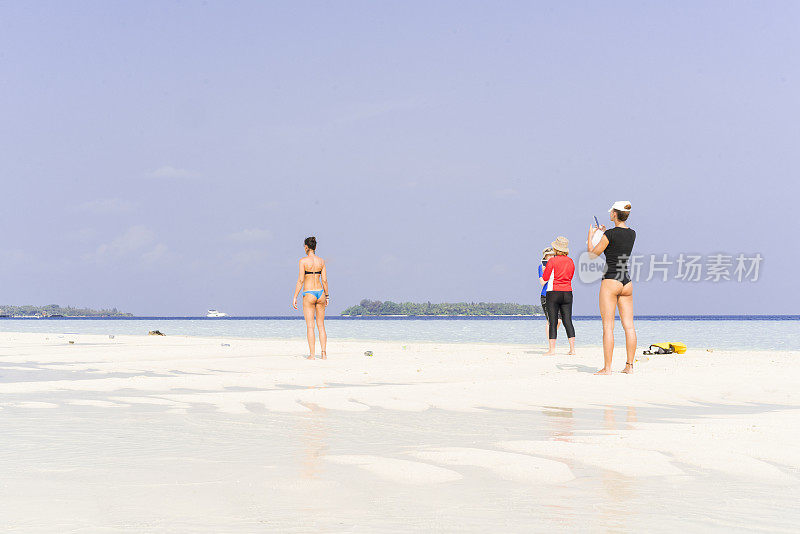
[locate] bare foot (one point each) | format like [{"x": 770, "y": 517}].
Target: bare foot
[
  {"x": 549, "y": 353},
  {"x": 603, "y": 371},
  {"x": 310, "y": 357},
  {"x": 571, "y": 353},
  {"x": 324, "y": 356},
  {"x": 628, "y": 369}
]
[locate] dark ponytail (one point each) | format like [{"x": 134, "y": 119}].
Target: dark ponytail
[
  {"x": 311, "y": 242},
  {"x": 623, "y": 215}
]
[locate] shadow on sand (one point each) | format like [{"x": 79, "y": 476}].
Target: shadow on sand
[{"x": 576, "y": 367}]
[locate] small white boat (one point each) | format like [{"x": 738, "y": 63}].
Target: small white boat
[{"x": 216, "y": 313}]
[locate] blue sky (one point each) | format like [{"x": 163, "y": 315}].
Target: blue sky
[{"x": 168, "y": 157}]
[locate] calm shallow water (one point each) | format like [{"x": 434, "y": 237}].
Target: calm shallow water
[{"x": 772, "y": 334}]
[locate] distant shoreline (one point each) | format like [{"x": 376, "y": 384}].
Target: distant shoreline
[
  {"x": 66, "y": 316},
  {"x": 56, "y": 311},
  {"x": 388, "y": 308}
]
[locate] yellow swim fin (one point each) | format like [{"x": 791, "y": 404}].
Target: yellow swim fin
[{"x": 678, "y": 347}]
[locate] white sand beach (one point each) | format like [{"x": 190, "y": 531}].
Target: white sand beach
[{"x": 180, "y": 434}]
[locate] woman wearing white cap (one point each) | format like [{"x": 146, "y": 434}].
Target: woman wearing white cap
[{"x": 616, "y": 288}]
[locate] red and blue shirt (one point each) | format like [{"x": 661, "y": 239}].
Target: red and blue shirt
[{"x": 563, "y": 269}]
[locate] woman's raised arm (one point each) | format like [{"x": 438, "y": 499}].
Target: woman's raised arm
[{"x": 598, "y": 249}]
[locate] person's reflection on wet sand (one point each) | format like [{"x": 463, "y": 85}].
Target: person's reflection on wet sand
[
  {"x": 561, "y": 422},
  {"x": 314, "y": 431},
  {"x": 619, "y": 489}
]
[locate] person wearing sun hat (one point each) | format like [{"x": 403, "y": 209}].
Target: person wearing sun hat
[
  {"x": 559, "y": 298},
  {"x": 547, "y": 285},
  {"x": 616, "y": 288}
]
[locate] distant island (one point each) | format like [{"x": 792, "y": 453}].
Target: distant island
[
  {"x": 54, "y": 310},
  {"x": 388, "y": 308}
]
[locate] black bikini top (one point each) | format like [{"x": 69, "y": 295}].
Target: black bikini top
[{"x": 315, "y": 272}]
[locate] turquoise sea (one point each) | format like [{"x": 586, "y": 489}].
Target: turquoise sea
[{"x": 733, "y": 332}]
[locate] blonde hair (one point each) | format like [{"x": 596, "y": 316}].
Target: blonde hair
[{"x": 561, "y": 253}]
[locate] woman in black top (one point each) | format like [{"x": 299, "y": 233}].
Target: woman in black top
[{"x": 616, "y": 289}]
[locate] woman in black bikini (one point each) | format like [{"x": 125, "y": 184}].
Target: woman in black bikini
[
  {"x": 616, "y": 289},
  {"x": 313, "y": 279}
]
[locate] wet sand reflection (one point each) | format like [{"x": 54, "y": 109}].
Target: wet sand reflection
[
  {"x": 561, "y": 422},
  {"x": 314, "y": 431},
  {"x": 619, "y": 489}
]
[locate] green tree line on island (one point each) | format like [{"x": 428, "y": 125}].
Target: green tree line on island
[
  {"x": 377, "y": 307},
  {"x": 54, "y": 309}
]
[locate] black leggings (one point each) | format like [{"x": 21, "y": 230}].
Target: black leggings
[{"x": 560, "y": 302}]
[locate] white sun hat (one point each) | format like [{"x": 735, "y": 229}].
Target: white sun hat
[{"x": 621, "y": 205}]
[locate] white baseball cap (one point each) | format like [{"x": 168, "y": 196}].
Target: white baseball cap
[{"x": 621, "y": 205}]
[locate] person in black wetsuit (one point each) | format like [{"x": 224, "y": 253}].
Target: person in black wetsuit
[{"x": 616, "y": 288}]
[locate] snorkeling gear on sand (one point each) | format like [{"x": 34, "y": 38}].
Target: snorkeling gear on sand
[
  {"x": 659, "y": 348},
  {"x": 674, "y": 347},
  {"x": 678, "y": 347}
]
